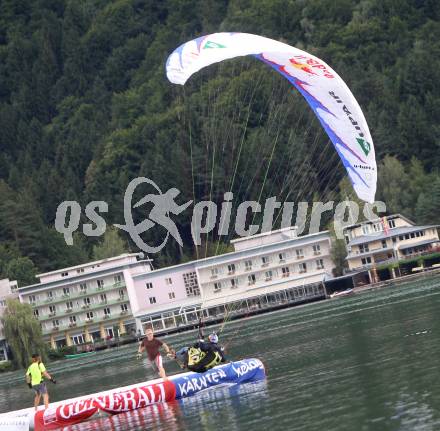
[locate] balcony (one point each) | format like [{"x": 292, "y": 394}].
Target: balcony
[
  {"x": 82, "y": 309},
  {"x": 74, "y": 295}
]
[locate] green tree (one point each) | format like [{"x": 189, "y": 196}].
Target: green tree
[
  {"x": 111, "y": 245},
  {"x": 23, "y": 332},
  {"x": 428, "y": 205}
]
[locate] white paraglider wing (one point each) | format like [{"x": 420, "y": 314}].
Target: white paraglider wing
[{"x": 324, "y": 90}]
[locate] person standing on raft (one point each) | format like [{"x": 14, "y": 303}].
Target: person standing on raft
[
  {"x": 151, "y": 345},
  {"x": 35, "y": 379}
]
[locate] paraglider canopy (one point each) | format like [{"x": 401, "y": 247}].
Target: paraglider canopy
[{"x": 325, "y": 91}]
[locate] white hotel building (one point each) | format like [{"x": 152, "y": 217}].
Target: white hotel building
[
  {"x": 264, "y": 270},
  {"x": 86, "y": 302},
  {"x": 123, "y": 294}
]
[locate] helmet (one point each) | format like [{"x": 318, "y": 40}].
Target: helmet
[{"x": 213, "y": 338}]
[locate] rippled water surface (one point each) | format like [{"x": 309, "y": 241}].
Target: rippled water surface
[{"x": 365, "y": 362}]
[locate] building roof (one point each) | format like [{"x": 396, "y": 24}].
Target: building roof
[
  {"x": 289, "y": 229},
  {"x": 88, "y": 264},
  {"x": 417, "y": 244},
  {"x": 78, "y": 277},
  {"x": 392, "y": 232},
  {"x": 389, "y": 217}
]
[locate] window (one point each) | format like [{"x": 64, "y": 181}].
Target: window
[
  {"x": 384, "y": 243},
  {"x": 407, "y": 236},
  {"x": 55, "y": 323},
  {"x": 69, "y": 305},
  {"x": 118, "y": 279},
  {"x": 282, "y": 257},
  {"x": 103, "y": 298},
  {"x": 265, "y": 260},
  {"x": 31, "y": 299},
  {"x": 72, "y": 320},
  {"x": 401, "y": 237},
  {"x": 124, "y": 307},
  {"x": 366, "y": 229},
  {"x": 149, "y": 285},
  {"x": 66, "y": 291},
  {"x": 107, "y": 311},
  {"x": 251, "y": 279},
  {"x": 121, "y": 293},
  {"x": 64, "y": 274},
  {"x": 316, "y": 249},
  {"x": 52, "y": 309},
  {"x": 319, "y": 264},
  {"x": 217, "y": 286},
  {"x": 80, "y": 270},
  {"x": 302, "y": 268},
  {"x": 299, "y": 253},
  {"x": 231, "y": 268},
  {"x": 191, "y": 284},
  {"x": 285, "y": 271},
  {"x": 152, "y": 300},
  {"x": 363, "y": 248},
  {"x": 171, "y": 295},
  {"x": 100, "y": 284},
  {"x": 83, "y": 287},
  {"x": 78, "y": 339},
  {"x": 214, "y": 272},
  {"x": 248, "y": 265},
  {"x": 412, "y": 235},
  {"x": 49, "y": 294},
  {"x": 234, "y": 283},
  {"x": 391, "y": 223},
  {"x": 36, "y": 313},
  {"x": 90, "y": 315},
  {"x": 366, "y": 260},
  {"x": 86, "y": 302},
  {"x": 269, "y": 275},
  {"x": 168, "y": 281}
]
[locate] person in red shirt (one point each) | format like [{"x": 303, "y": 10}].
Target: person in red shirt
[{"x": 151, "y": 345}]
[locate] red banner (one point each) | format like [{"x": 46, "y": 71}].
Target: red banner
[
  {"x": 66, "y": 414},
  {"x": 136, "y": 398},
  {"x": 113, "y": 403}
]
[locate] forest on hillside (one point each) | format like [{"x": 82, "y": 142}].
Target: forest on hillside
[{"x": 85, "y": 107}]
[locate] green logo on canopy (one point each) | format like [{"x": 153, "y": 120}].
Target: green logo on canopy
[
  {"x": 366, "y": 147},
  {"x": 210, "y": 44}
]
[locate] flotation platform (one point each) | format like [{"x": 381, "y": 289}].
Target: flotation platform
[
  {"x": 68, "y": 412},
  {"x": 79, "y": 355}
]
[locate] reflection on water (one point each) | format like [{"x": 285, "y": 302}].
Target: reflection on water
[
  {"x": 365, "y": 362},
  {"x": 218, "y": 407}
]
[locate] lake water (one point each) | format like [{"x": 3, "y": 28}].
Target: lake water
[{"x": 364, "y": 362}]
